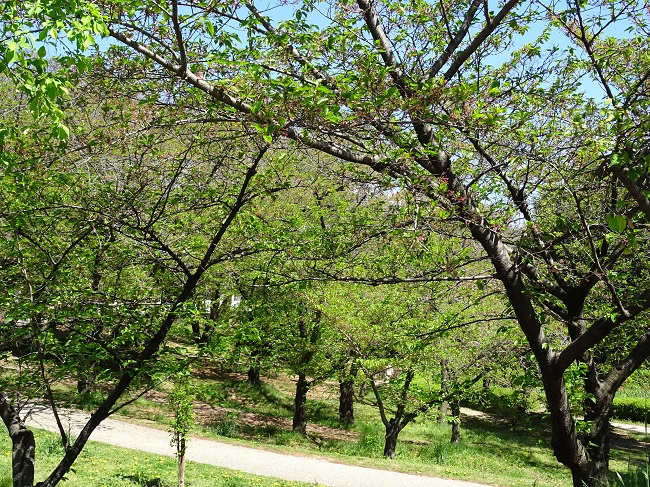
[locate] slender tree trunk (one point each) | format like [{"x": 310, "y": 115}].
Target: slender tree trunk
[
  {"x": 302, "y": 386},
  {"x": 216, "y": 309},
  {"x": 181, "y": 463},
  {"x": 196, "y": 330},
  {"x": 299, "y": 421},
  {"x": 392, "y": 432},
  {"x": 455, "y": 422},
  {"x": 444, "y": 387},
  {"x": 443, "y": 411},
  {"x": 23, "y": 447}
]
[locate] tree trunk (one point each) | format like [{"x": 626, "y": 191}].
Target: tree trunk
[
  {"x": 597, "y": 441},
  {"x": 392, "y": 432},
  {"x": 181, "y": 464},
  {"x": 23, "y": 448},
  {"x": 346, "y": 402},
  {"x": 455, "y": 422},
  {"x": 567, "y": 446},
  {"x": 444, "y": 387},
  {"x": 254, "y": 377},
  {"x": 299, "y": 421},
  {"x": 443, "y": 411}
]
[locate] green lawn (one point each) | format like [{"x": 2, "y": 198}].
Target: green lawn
[{"x": 107, "y": 466}]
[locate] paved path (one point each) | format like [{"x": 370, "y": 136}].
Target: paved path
[
  {"x": 636, "y": 428},
  {"x": 251, "y": 460}
]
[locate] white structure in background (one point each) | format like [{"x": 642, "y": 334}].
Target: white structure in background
[{"x": 235, "y": 301}]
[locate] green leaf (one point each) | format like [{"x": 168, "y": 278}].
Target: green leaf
[
  {"x": 61, "y": 132},
  {"x": 616, "y": 223},
  {"x": 209, "y": 28},
  {"x": 255, "y": 108},
  {"x": 9, "y": 55}
]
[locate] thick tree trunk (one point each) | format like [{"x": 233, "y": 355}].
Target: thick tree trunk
[
  {"x": 597, "y": 441},
  {"x": 23, "y": 448},
  {"x": 568, "y": 447},
  {"x": 346, "y": 402},
  {"x": 299, "y": 421},
  {"x": 392, "y": 432},
  {"x": 254, "y": 377},
  {"x": 455, "y": 422}
]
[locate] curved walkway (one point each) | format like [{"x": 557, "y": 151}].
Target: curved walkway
[
  {"x": 635, "y": 428},
  {"x": 250, "y": 460}
]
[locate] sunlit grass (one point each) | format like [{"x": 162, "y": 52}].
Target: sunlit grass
[{"x": 107, "y": 466}]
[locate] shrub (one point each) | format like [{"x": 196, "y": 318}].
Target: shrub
[
  {"x": 632, "y": 409},
  {"x": 227, "y": 426}
]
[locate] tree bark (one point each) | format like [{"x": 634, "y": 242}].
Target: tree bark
[
  {"x": 346, "y": 396},
  {"x": 393, "y": 428},
  {"x": 444, "y": 387},
  {"x": 455, "y": 422},
  {"x": 181, "y": 463},
  {"x": 299, "y": 421},
  {"x": 23, "y": 447},
  {"x": 254, "y": 377},
  {"x": 346, "y": 402},
  {"x": 302, "y": 386}
]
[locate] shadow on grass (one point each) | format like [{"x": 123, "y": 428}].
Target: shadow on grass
[
  {"x": 231, "y": 391},
  {"x": 636, "y": 476},
  {"x": 144, "y": 480},
  {"x": 323, "y": 413}
]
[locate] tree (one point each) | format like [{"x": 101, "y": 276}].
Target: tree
[
  {"x": 449, "y": 101},
  {"x": 75, "y": 299},
  {"x": 346, "y": 391},
  {"x": 181, "y": 401},
  {"x": 392, "y": 334},
  {"x": 286, "y": 320}
]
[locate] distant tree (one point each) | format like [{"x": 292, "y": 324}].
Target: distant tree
[{"x": 390, "y": 331}]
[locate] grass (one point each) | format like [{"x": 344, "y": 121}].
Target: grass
[
  {"x": 500, "y": 452},
  {"x": 493, "y": 454},
  {"x": 637, "y": 475},
  {"x": 106, "y": 466}
]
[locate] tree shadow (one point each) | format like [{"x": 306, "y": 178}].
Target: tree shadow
[{"x": 145, "y": 480}]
